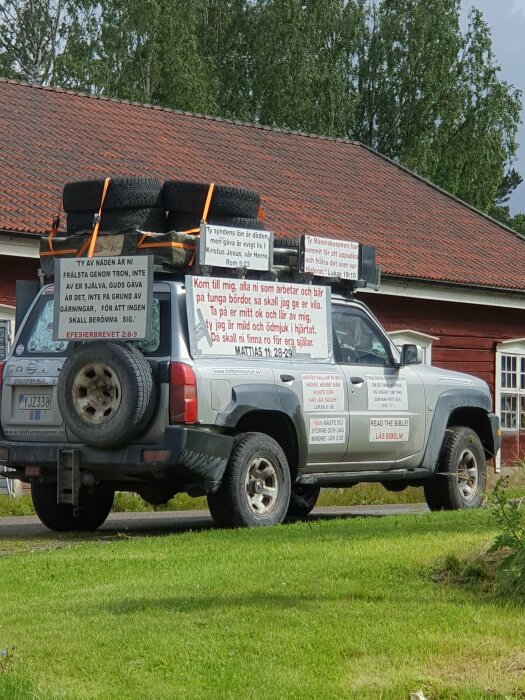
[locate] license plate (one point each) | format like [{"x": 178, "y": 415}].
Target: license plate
[{"x": 28, "y": 402}]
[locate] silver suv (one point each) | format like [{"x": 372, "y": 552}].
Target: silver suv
[{"x": 258, "y": 436}]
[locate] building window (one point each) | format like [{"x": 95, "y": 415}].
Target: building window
[
  {"x": 512, "y": 392},
  {"x": 422, "y": 340}
]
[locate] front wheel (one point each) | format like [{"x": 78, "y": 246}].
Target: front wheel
[
  {"x": 255, "y": 489},
  {"x": 461, "y": 475},
  {"x": 94, "y": 506}
]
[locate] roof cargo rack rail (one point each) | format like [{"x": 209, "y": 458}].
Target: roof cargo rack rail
[
  {"x": 338, "y": 263},
  {"x": 341, "y": 263},
  {"x": 255, "y": 254},
  {"x": 227, "y": 251}
]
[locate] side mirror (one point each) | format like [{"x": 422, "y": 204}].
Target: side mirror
[{"x": 410, "y": 355}]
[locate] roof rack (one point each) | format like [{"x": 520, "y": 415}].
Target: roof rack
[
  {"x": 225, "y": 251},
  {"x": 340, "y": 264}
]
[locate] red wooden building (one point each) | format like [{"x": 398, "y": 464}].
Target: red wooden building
[{"x": 453, "y": 279}]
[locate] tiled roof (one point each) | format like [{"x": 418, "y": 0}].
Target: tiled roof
[{"x": 311, "y": 184}]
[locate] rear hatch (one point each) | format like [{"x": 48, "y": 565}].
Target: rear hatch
[
  {"x": 29, "y": 393},
  {"x": 29, "y": 404}
]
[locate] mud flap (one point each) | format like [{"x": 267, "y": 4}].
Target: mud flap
[{"x": 68, "y": 476}]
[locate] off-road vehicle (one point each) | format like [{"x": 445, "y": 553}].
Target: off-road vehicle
[{"x": 249, "y": 387}]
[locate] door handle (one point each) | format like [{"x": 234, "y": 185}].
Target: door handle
[
  {"x": 287, "y": 378},
  {"x": 357, "y": 380}
]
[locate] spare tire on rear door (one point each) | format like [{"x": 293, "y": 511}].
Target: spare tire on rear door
[{"x": 106, "y": 393}]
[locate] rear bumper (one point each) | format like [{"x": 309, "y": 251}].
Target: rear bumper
[{"x": 195, "y": 453}]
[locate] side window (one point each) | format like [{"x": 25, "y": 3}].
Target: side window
[{"x": 357, "y": 341}]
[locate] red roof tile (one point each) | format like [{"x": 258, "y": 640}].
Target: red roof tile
[{"x": 307, "y": 183}]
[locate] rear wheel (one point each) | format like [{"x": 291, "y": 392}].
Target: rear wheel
[
  {"x": 93, "y": 508},
  {"x": 461, "y": 476},
  {"x": 302, "y": 500},
  {"x": 255, "y": 489}
]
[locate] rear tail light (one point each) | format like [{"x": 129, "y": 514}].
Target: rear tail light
[{"x": 183, "y": 394}]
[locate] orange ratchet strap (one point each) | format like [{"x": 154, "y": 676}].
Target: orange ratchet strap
[
  {"x": 54, "y": 229},
  {"x": 53, "y": 233},
  {"x": 192, "y": 230},
  {"x": 92, "y": 241}
]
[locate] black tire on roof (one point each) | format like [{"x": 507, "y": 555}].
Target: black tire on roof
[
  {"x": 106, "y": 393},
  {"x": 185, "y": 222},
  {"x": 118, "y": 220},
  {"x": 123, "y": 193},
  {"x": 190, "y": 197},
  {"x": 286, "y": 243}
]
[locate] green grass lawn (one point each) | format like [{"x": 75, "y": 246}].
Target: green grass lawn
[{"x": 327, "y": 609}]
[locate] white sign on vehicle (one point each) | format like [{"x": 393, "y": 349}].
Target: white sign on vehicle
[
  {"x": 106, "y": 298},
  {"x": 387, "y": 393},
  {"x": 388, "y": 429},
  {"x": 327, "y": 430},
  {"x": 323, "y": 392},
  {"x": 225, "y": 246},
  {"x": 328, "y": 257},
  {"x": 247, "y": 318}
]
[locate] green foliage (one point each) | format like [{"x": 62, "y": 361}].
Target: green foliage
[
  {"x": 510, "y": 181},
  {"x": 510, "y": 541},
  {"x": 431, "y": 98},
  {"x": 33, "y": 33},
  {"x": 303, "y": 71},
  {"x": 15, "y": 506},
  {"x": 503, "y": 215}
]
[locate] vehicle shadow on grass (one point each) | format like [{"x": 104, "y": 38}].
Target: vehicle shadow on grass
[{"x": 262, "y": 600}]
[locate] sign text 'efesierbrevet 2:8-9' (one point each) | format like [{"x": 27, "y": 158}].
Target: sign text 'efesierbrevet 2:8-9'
[
  {"x": 103, "y": 298},
  {"x": 257, "y": 318}
]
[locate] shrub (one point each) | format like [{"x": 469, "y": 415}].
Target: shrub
[{"x": 509, "y": 515}]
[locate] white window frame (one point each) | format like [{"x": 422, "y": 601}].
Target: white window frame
[
  {"x": 7, "y": 313},
  {"x": 422, "y": 340},
  {"x": 509, "y": 348}
]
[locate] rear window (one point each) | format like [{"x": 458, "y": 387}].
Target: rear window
[
  {"x": 40, "y": 339},
  {"x": 37, "y": 335}
]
